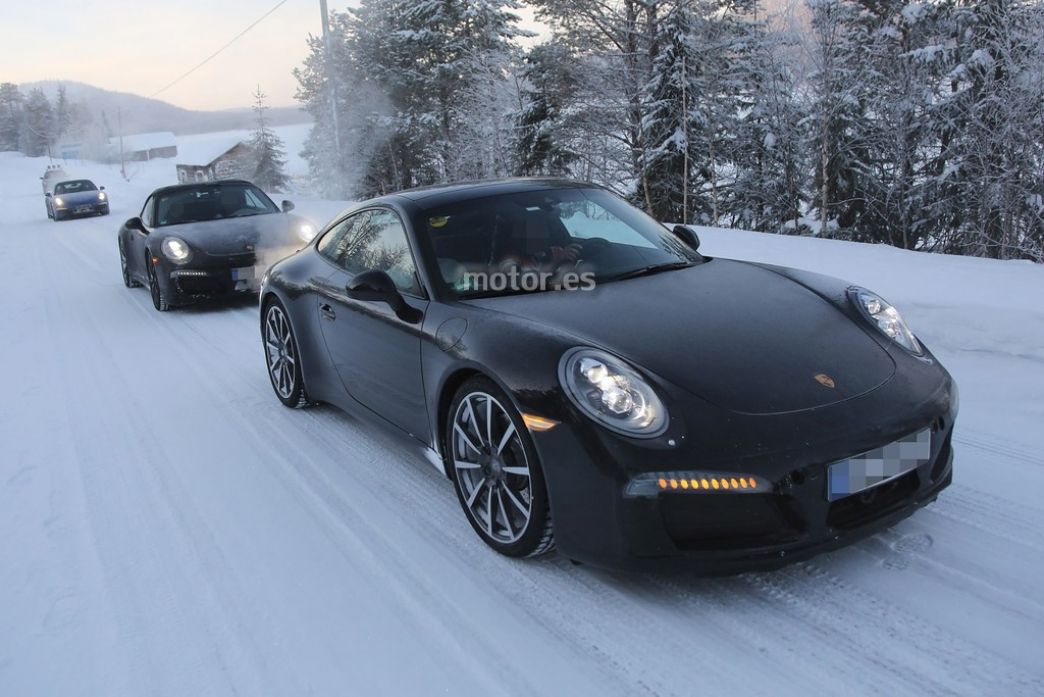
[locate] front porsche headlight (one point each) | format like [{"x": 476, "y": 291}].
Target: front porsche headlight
[
  {"x": 306, "y": 231},
  {"x": 176, "y": 249},
  {"x": 58, "y": 201},
  {"x": 612, "y": 393},
  {"x": 102, "y": 196},
  {"x": 886, "y": 318}
]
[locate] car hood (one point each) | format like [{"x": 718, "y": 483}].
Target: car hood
[
  {"x": 79, "y": 198},
  {"x": 735, "y": 334},
  {"x": 233, "y": 235}
]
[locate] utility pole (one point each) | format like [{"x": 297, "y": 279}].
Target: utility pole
[
  {"x": 119, "y": 127},
  {"x": 327, "y": 65}
]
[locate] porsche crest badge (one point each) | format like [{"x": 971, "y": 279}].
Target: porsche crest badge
[{"x": 825, "y": 380}]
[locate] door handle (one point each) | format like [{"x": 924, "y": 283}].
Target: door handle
[{"x": 327, "y": 311}]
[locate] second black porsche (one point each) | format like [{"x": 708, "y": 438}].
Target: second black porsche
[
  {"x": 588, "y": 379},
  {"x": 213, "y": 239}
]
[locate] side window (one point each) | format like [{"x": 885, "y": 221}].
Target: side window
[
  {"x": 332, "y": 240},
  {"x": 146, "y": 212},
  {"x": 373, "y": 239}
]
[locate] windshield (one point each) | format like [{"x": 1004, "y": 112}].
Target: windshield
[
  {"x": 214, "y": 201},
  {"x": 75, "y": 186},
  {"x": 586, "y": 235}
]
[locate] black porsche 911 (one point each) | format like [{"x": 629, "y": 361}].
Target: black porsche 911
[
  {"x": 588, "y": 380},
  {"x": 207, "y": 240}
]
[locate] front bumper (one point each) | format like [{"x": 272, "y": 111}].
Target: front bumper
[
  {"x": 74, "y": 210},
  {"x": 208, "y": 276},
  {"x": 731, "y": 532}
]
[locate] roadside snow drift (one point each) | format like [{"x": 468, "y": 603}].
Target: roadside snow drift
[{"x": 168, "y": 528}]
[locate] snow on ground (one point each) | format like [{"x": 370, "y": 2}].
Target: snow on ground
[{"x": 167, "y": 528}]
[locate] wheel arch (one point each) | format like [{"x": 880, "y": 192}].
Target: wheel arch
[{"x": 447, "y": 391}]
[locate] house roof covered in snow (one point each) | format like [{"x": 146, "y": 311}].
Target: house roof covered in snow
[
  {"x": 203, "y": 149},
  {"x": 141, "y": 142}
]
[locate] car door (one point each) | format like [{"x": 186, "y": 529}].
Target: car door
[
  {"x": 375, "y": 352},
  {"x": 137, "y": 239}
]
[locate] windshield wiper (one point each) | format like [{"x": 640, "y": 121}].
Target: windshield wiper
[{"x": 649, "y": 270}]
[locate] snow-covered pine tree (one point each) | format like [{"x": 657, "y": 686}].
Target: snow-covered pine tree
[
  {"x": 331, "y": 172},
  {"x": 549, "y": 85},
  {"x": 901, "y": 58},
  {"x": 675, "y": 152},
  {"x": 768, "y": 160},
  {"x": 838, "y": 122},
  {"x": 615, "y": 43},
  {"x": 10, "y": 116},
  {"x": 993, "y": 155},
  {"x": 36, "y": 134},
  {"x": 422, "y": 91},
  {"x": 62, "y": 113},
  {"x": 269, "y": 153}
]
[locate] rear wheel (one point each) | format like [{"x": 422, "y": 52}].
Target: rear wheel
[
  {"x": 125, "y": 269},
  {"x": 497, "y": 474},
  {"x": 159, "y": 300},
  {"x": 282, "y": 356}
]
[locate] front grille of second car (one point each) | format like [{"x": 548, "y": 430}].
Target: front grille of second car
[{"x": 235, "y": 260}]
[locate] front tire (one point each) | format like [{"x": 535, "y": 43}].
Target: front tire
[
  {"x": 128, "y": 281},
  {"x": 282, "y": 356},
  {"x": 496, "y": 471},
  {"x": 159, "y": 299}
]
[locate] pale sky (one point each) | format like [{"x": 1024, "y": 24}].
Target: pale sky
[{"x": 139, "y": 46}]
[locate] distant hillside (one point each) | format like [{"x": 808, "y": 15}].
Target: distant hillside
[{"x": 141, "y": 114}]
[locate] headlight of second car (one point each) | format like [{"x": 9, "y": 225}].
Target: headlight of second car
[
  {"x": 612, "y": 393},
  {"x": 306, "y": 231},
  {"x": 176, "y": 249},
  {"x": 886, "y": 318}
]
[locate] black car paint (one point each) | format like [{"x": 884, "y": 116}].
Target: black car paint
[
  {"x": 728, "y": 411},
  {"x": 217, "y": 247}
]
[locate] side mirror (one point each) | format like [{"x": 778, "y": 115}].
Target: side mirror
[
  {"x": 135, "y": 224},
  {"x": 377, "y": 286},
  {"x": 101, "y": 188},
  {"x": 47, "y": 194},
  {"x": 288, "y": 206},
  {"x": 687, "y": 235}
]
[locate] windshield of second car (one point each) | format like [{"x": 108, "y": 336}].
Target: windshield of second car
[
  {"x": 211, "y": 202},
  {"x": 74, "y": 187},
  {"x": 587, "y": 233}
]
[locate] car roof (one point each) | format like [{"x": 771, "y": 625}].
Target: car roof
[
  {"x": 196, "y": 185},
  {"x": 442, "y": 194}
]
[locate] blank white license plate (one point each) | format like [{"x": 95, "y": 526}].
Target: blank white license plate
[
  {"x": 245, "y": 273},
  {"x": 874, "y": 467}
]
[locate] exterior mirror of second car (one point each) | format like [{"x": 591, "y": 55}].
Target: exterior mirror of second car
[
  {"x": 288, "y": 206},
  {"x": 101, "y": 188},
  {"x": 135, "y": 224},
  {"x": 47, "y": 194},
  {"x": 378, "y": 286},
  {"x": 687, "y": 235}
]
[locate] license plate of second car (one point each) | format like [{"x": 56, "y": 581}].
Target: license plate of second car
[{"x": 244, "y": 273}]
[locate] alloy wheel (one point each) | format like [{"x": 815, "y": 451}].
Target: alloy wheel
[
  {"x": 279, "y": 348},
  {"x": 492, "y": 469}
]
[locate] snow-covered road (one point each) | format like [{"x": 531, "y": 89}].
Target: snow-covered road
[{"x": 167, "y": 528}]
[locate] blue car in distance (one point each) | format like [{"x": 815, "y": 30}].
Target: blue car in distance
[{"x": 76, "y": 197}]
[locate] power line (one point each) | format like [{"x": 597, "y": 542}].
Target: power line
[{"x": 215, "y": 53}]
